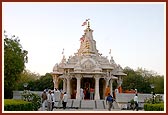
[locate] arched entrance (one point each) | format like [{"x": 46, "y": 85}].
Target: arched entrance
[
  {"x": 88, "y": 85},
  {"x": 73, "y": 84}
]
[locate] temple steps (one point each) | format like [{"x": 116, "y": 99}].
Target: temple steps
[{"x": 83, "y": 104}]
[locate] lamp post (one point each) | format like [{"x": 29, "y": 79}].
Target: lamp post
[
  {"x": 25, "y": 86},
  {"x": 152, "y": 87}
]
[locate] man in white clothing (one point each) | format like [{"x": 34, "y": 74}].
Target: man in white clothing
[
  {"x": 53, "y": 99},
  {"x": 64, "y": 100},
  {"x": 81, "y": 93},
  {"x": 136, "y": 101}
]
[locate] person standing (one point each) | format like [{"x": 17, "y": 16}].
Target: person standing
[
  {"x": 91, "y": 93},
  {"x": 87, "y": 93},
  {"x": 109, "y": 99},
  {"x": 136, "y": 102},
  {"x": 49, "y": 100},
  {"x": 44, "y": 100},
  {"x": 64, "y": 100},
  {"x": 107, "y": 91},
  {"x": 81, "y": 94},
  {"x": 53, "y": 99},
  {"x": 57, "y": 94}
]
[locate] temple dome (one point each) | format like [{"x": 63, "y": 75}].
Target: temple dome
[{"x": 55, "y": 68}]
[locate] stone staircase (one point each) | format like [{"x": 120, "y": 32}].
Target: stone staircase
[
  {"x": 85, "y": 104},
  {"x": 121, "y": 101}
]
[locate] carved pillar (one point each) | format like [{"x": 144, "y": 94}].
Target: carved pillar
[
  {"x": 64, "y": 85},
  {"x": 97, "y": 95},
  {"x": 56, "y": 85},
  {"x": 78, "y": 77},
  {"x": 111, "y": 86},
  {"x": 119, "y": 84},
  {"x": 68, "y": 78},
  {"x": 107, "y": 81},
  {"x": 55, "y": 81},
  {"x": 119, "y": 81}
]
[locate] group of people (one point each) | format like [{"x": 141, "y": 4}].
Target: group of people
[
  {"x": 87, "y": 93},
  {"x": 49, "y": 98},
  {"x": 110, "y": 99}
]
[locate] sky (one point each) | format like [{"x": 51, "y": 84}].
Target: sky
[{"x": 135, "y": 32}]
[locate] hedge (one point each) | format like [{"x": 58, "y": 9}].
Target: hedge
[
  {"x": 17, "y": 105},
  {"x": 154, "y": 107}
]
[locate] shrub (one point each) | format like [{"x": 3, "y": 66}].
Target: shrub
[
  {"x": 154, "y": 107},
  {"x": 32, "y": 97},
  {"x": 17, "y": 105},
  {"x": 154, "y": 104}
]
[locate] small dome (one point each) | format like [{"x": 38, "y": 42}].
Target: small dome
[{"x": 55, "y": 68}]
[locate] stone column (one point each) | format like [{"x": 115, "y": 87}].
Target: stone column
[
  {"x": 68, "y": 86},
  {"x": 119, "y": 81},
  {"x": 111, "y": 86},
  {"x": 64, "y": 85},
  {"x": 55, "y": 81},
  {"x": 56, "y": 85},
  {"x": 78, "y": 77},
  {"x": 97, "y": 95},
  {"x": 107, "y": 81},
  {"x": 119, "y": 84}
]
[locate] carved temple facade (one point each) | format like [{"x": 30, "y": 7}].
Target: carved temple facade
[{"x": 87, "y": 69}]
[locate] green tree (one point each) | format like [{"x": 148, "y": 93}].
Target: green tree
[
  {"x": 159, "y": 84},
  {"x": 14, "y": 63},
  {"x": 27, "y": 77},
  {"x": 134, "y": 80},
  {"x": 141, "y": 79},
  {"x": 44, "y": 82}
]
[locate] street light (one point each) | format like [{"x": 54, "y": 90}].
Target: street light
[
  {"x": 152, "y": 86},
  {"x": 25, "y": 86}
]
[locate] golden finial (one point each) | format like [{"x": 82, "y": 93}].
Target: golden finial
[
  {"x": 88, "y": 24},
  {"x": 87, "y": 20}
]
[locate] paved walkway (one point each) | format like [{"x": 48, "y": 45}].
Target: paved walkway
[{"x": 91, "y": 110}]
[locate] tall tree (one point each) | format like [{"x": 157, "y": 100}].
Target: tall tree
[
  {"x": 132, "y": 80},
  {"x": 44, "y": 82},
  {"x": 27, "y": 77},
  {"x": 141, "y": 79},
  {"x": 14, "y": 63}
]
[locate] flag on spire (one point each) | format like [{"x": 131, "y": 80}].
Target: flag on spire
[{"x": 84, "y": 23}]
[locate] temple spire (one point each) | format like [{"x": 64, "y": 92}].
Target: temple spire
[{"x": 88, "y": 44}]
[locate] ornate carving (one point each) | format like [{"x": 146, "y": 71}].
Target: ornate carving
[{"x": 88, "y": 65}]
